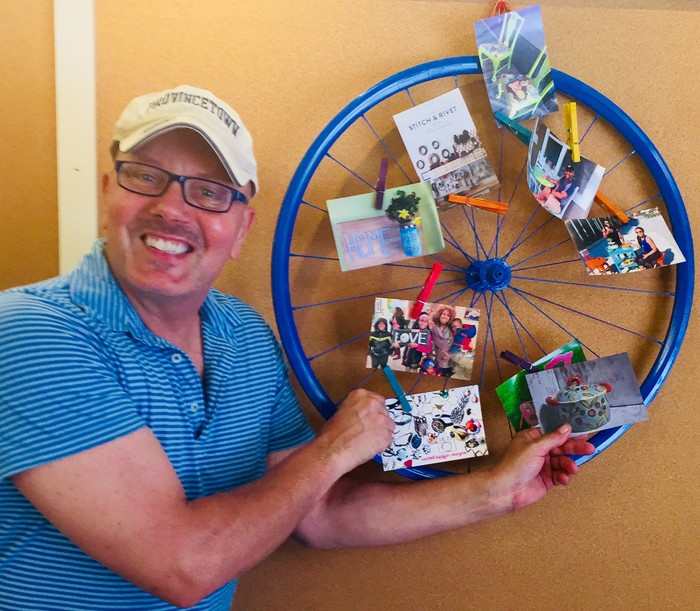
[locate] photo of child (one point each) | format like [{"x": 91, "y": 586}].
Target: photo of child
[{"x": 440, "y": 342}]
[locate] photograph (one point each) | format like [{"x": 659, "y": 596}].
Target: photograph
[
  {"x": 515, "y": 395},
  {"x": 560, "y": 185},
  {"x": 442, "y": 425},
  {"x": 606, "y": 246},
  {"x": 590, "y": 396},
  {"x": 407, "y": 226},
  {"x": 441, "y": 342},
  {"x": 444, "y": 147},
  {"x": 516, "y": 67}
]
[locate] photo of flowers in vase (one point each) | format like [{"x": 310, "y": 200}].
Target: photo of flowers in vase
[{"x": 407, "y": 226}]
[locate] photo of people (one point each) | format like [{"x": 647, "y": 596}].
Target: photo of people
[
  {"x": 440, "y": 342},
  {"x": 442, "y": 425},
  {"x": 515, "y": 64},
  {"x": 590, "y": 396},
  {"x": 606, "y": 246},
  {"x": 444, "y": 146},
  {"x": 561, "y": 186}
]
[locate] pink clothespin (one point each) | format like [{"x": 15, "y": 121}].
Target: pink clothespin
[
  {"x": 425, "y": 291},
  {"x": 381, "y": 183}
]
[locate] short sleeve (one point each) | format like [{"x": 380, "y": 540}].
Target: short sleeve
[
  {"x": 59, "y": 386},
  {"x": 290, "y": 428}
]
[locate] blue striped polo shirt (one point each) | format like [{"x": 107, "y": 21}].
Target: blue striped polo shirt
[{"x": 79, "y": 368}]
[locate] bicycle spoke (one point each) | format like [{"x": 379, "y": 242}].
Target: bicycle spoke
[
  {"x": 386, "y": 148},
  {"x": 522, "y": 269},
  {"x": 340, "y": 345},
  {"x": 504, "y": 302},
  {"x": 383, "y": 291},
  {"x": 520, "y": 294},
  {"x": 625, "y": 158},
  {"x": 595, "y": 286},
  {"x": 314, "y": 206},
  {"x": 596, "y": 318},
  {"x": 347, "y": 169},
  {"x": 542, "y": 252},
  {"x": 455, "y": 244}
]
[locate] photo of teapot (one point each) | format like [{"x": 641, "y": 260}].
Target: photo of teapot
[{"x": 584, "y": 406}]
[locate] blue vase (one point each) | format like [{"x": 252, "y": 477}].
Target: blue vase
[{"x": 410, "y": 240}]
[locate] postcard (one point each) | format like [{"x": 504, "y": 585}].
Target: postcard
[
  {"x": 607, "y": 246},
  {"x": 441, "y": 342},
  {"x": 443, "y": 145},
  {"x": 561, "y": 186},
  {"x": 443, "y": 425},
  {"x": 516, "y": 68},
  {"x": 590, "y": 396},
  {"x": 408, "y": 226},
  {"x": 515, "y": 395}
]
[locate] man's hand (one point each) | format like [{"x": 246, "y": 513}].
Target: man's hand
[
  {"x": 361, "y": 428},
  {"x": 534, "y": 463}
]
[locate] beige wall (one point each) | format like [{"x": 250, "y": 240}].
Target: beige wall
[
  {"x": 627, "y": 533},
  {"x": 28, "y": 213}
]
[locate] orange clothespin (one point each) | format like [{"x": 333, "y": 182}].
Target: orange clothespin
[
  {"x": 571, "y": 126},
  {"x": 604, "y": 201},
  {"x": 425, "y": 291},
  {"x": 484, "y": 204},
  {"x": 381, "y": 183}
]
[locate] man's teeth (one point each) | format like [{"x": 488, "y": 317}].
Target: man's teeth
[{"x": 172, "y": 248}]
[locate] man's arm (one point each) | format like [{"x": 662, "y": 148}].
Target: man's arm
[
  {"x": 123, "y": 504},
  {"x": 363, "y": 514}
]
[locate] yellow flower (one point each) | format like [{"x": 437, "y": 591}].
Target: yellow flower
[
  {"x": 417, "y": 220},
  {"x": 404, "y": 214}
]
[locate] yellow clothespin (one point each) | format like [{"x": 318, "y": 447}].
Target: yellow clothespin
[
  {"x": 571, "y": 126},
  {"x": 484, "y": 204},
  {"x": 606, "y": 202}
]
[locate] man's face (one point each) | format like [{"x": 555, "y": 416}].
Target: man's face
[
  {"x": 160, "y": 247},
  {"x": 569, "y": 174}
]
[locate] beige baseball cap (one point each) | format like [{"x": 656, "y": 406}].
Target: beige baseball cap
[{"x": 156, "y": 113}]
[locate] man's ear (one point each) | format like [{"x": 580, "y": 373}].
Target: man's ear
[{"x": 246, "y": 221}]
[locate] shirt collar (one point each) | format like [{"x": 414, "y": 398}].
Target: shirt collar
[{"x": 94, "y": 288}]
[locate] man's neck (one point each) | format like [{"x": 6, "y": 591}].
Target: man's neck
[{"x": 174, "y": 320}]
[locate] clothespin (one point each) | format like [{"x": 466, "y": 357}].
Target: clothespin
[
  {"x": 604, "y": 201},
  {"x": 571, "y": 127},
  {"x": 521, "y": 133},
  {"x": 396, "y": 387},
  {"x": 484, "y": 204},
  {"x": 500, "y": 7},
  {"x": 509, "y": 356},
  {"x": 425, "y": 291},
  {"x": 381, "y": 183}
]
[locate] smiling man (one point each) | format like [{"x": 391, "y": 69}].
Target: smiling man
[{"x": 144, "y": 464}]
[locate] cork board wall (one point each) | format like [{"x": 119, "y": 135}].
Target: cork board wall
[{"x": 626, "y": 534}]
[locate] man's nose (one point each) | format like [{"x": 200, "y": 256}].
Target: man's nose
[{"x": 171, "y": 203}]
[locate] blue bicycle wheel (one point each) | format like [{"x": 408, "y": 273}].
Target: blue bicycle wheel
[{"x": 322, "y": 314}]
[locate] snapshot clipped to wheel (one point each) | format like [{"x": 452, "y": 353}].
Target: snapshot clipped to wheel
[{"x": 410, "y": 336}]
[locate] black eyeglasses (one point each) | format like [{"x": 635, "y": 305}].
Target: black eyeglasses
[{"x": 150, "y": 180}]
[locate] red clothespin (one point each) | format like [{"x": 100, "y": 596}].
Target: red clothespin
[
  {"x": 500, "y": 7},
  {"x": 425, "y": 291},
  {"x": 381, "y": 183},
  {"x": 509, "y": 356}
]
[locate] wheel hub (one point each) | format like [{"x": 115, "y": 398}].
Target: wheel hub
[{"x": 489, "y": 274}]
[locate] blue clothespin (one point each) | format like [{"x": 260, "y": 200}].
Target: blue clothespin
[
  {"x": 521, "y": 133},
  {"x": 398, "y": 391}
]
